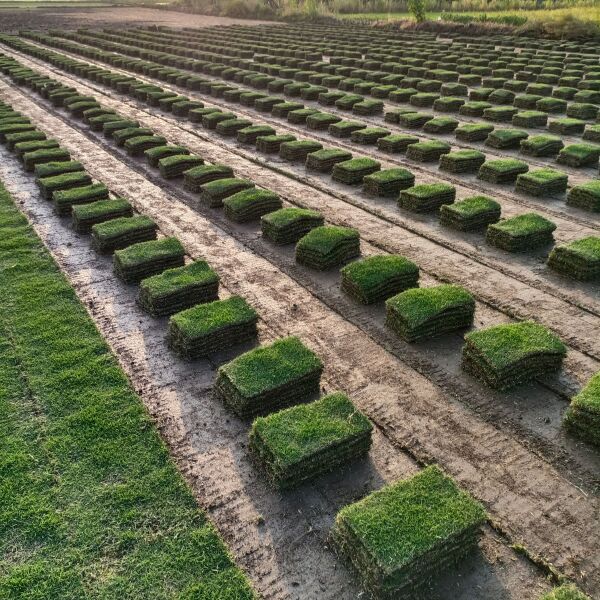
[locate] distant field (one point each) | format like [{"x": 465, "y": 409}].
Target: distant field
[{"x": 25, "y": 4}]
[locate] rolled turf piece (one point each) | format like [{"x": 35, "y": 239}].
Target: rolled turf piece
[
  {"x": 326, "y": 247},
  {"x": 122, "y": 232},
  {"x": 136, "y": 146},
  {"x": 396, "y": 143},
  {"x": 353, "y": 171},
  {"x": 298, "y": 150},
  {"x": 579, "y": 259},
  {"x": 136, "y": 262},
  {"x": 87, "y": 215},
  {"x": 175, "y": 165},
  {"x": 196, "y": 177},
  {"x": 427, "y": 151},
  {"x": 51, "y": 169},
  {"x": 542, "y": 145},
  {"x": 505, "y": 139},
  {"x": 153, "y": 155},
  {"x": 64, "y": 200},
  {"x": 344, "y": 129},
  {"x": 420, "y": 313},
  {"x": 288, "y": 225},
  {"x": 579, "y": 155},
  {"x": 542, "y": 182},
  {"x": 426, "y": 197},
  {"x": 304, "y": 441},
  {"x": 462, "y": 161},
  {"x": 268, "y": 378},
  {"x": 585, "y": 195},
  {"x": 176, "y": 289},
  {"x": 368, "y": 135},
  {"x": 470, "y": 214},
  {"x": 521, "y": 233},
  {"x": 507, "y": 355},
  {"x": 214, "y": 192},
  {"x": 39, "y": 157},
  {"x": 502, "y": 170},
  {"x": 323, "y": 160},
  {"x": 250, "y": 205},
  {"x": 376, "y": 278},
  {"x": 582, "y": 418},
  {"x": 402, "y": 535},
  {"x": 388, "y": 182},
  {"x": 212, "y": 327},
  {"x": 65, "y": 181},
  {"x": 272, "y": 143}
]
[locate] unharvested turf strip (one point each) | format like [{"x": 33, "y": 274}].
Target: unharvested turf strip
[{"x": 92, "y": 505}]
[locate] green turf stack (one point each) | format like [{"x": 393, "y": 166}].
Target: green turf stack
[
  {"x": 504, "y": 356},
  {"x": 326, "y": 247},
  {"x": 583, "y": 415},
  {"x": 122, "y": 232},
  {"x": 319, "y": 121},
  {"x": 136, "y": 262},
  {"x": 414, "y": 120},
  {"x": 39, "y": 157},
  {"x": 542, "y": 182},
  {"x": 109, "y": 128},
  {"x": 579, "y": 155},
  {"x": 388, "y": 183},
  {"x": 474, "y": 108},
  {"x": 12, "y": 139},
  {"x": 298, "y": 150},
  {"x": 175, "y": 165},
  {"x": 196, "y": 177},
  {"x": 120, "y": 136},
  {"x": 269, "y": 378},
  {"x": 288, "y": 225},
  {"x": 470, "y": 214},
  {"x": 400, "y": 537},
  {"x": 368, "y": 135},
  {"x": 505, "y": 139},
  {"x": 136, "y": 146},
  {"x": 502, "y": 170},
  {"x": 304, "y": 441},
  {"x": 542, "y": 145},
  {"x": 427, "y": 151},
  {"x": 462, "y": 161},
  {"x": 212, "y": 327},
  {"x": 154, "y": 155},
  {"x": 214, "y": 192},
  {"x": 212, "y": 119},
  {"x": 521, "y": 233},
  {"x": 323, "y": 160},
  {"x": 87, "y": 215},
  {"x": 582, "y": 110},
  {"x": 440, "y": 125},
  {"x": 530, "y": 118},
  {"x": 367, "y": 107},
  {"x": 378, "y": 277},
  {"x": 420, "y": 313},
  {"x": 353, "y": 171},
  {"x": 176, "y": 289},
  {"x": 298, "y": 117},
  {"x": 473, "y": 132},
  {"x": 249, "y": 135},
  {"x": 250, "y": 205},
  {"x": 396, "y": 143},
  {"x": 22, "y": 148},
  {"x": 7, "y": 128},
  {"x": 65, "y": 181},
  {"x": 272, "y": 143},
  {"x": 585, "y": 195},
  {"x": 579, "y": 259},
  {"x": 567, "y": 126},
  {"x": 64, "y": 200},
  {"x": 426, "y": 197},
  {"x": 344, "y": 129}
]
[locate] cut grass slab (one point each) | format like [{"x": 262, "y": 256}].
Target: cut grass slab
[
  {"x": 504, "y": 356},
  {"x": 64, "y": 200},
  {"x": 565, "y": 592},
  {"x": 302, "y": 442},
  {"x": 582, "y": 418},
  {"x": 399, "y": 537},
  {"x": 250, "y": 205},
  {"x": 470, "y": 214},
  {"x": 214, "y": 192},
  {"x": 368, "y": 135},
  {"x": 268, "y": 378},
  {"x": 176, "y": 165},
  {"x": 323, "y": 160},
  {"x": 579, "y": 259},
  {"x": 136, "y": 262},
  {"x": 388, "y": 183},
  {"x": 65, "y": 181},
  {"x": 136, "y": 146},
  {"x": 462, "y": 161},
  {"x": 272, "y": 143},
  {"x": 426, "y": 197},
  {"x": 542, "y": 182},
  {"x": 505, "y": 139},
  {"x": 87, "y": 215},
  {"x": 522, "y": 233},
  {"x": 122, "y": 232},
  {"x": 502, "y": 170},
  {"x": 396, "y": 143},
  {"x": 288, "y": 225},
  {"x": 542, "y": 145},
  {"x": 39, "y": 157},
  {"x": 196, "y": 177},
  {"x": 327, "y": 247},
  {"x": 585, "y": 196},
  {"x": 579, "y": 155},
  {"x": 153, "y": 155},
  {"x": 353, "y": 171},
  {"x": 428, "y": 151}
]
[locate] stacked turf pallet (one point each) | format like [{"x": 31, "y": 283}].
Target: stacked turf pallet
[
  {"x": 504, "y": 139},
  {"x": 154, "y": 155},
  {"x": 586, "y": 196},
  {"x": 324, "y": 160},
  {"x": 521, "y": 233},
  {"x": 268, "y": 378},
  {"x": 376, "y": 278},
  {"x": 579, "y": 155},
  {"x": 504, "y": 356},
  {"x": 579, "y": 259},
  {"x": 208, "y": 328},
  {"x": 462, "y": 161},
  {"x": 470, "y": 214},
  {"x": 426, "y": 197},
  {"x": 271, "y": 144},
  {"x": 401, "y": 536},
  {"x": 428, "y": 151},
  {"x": 196, "y": 177},
  {"x": 388, "y": 182},
  {"x": 214, "y": 192},
  {"x": 122, "y": 232},
  {"x": 65, "y": 181},
  {"x": 396, "y": 143},
  {"x": 583, "y": 415},
  {"x": 175, "y": 290},
  {"x": 145, "y": 259},
  {"x": 353, "y": 171},
  {"x": 502, "y": 170},
  {"x": 420, "y": 313},
  {"x": 85, "y": 216},
  {"x": 542, "y": 182},
  {"x": 64, "y": 200},
  {"x": 542, "y": 145},
  {"x": 175, "y": 165},
  {"x": 326, "y": 247},
  {"x": 304, "y": 441},
  {"x": 473, "y": 132},
  {"x": 251, "y": 204},
  {"x": 288, "y": 225},
  {"x": 298, "y": 149}
]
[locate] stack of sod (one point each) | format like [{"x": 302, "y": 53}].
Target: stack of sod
[
  {"x": 122, "y": 232},
  {"x": 583, "y": 415},
  {"x": 420, "y": 313},
  {"x": 367, "y": 107},
  {"x": 298, "y": 149},
  {"x": 473, "y": 132},
  {"x": 378, "y": 277},
  {"x": 504, "y": 356},
  {"x": 12, "y": 139},
  {"x": 388, "y": 182},
  {"x": 22, "y": 148},
  {"x": 462, "y": 161},
  {"x": 542, "y": 182},
  {"x": 428, "y": 151},
  {"x": 212, "y": 119},
  {"x": 39, "y": 157},
  {"x": 585, "y": 195},
  {"x": 505, "y": 139},
  {"x": 153, "y": 155},
  {"x": 397, "y": 142},
  {"x": 272, "y": 143},
  {"x": 323, "y": 160},
  {"x": 136, "y": 146},
  {"x": 175, "y": 290},
  {"x": 326, "y": 247},
  {"x": 175, "y": 165},
  {"x": 353, "y": 171},
  {"x": 344, "y": 129},
  {"x": 269, "y": 378},
  {"x": 368, "y": 135},
  {"x": 565, "y": 592},
  {"x": 470, "y": 214},
  {"x": 136, "y": 262},
  {"x": 298, "y": 117},
  {"x": 579, "y": 155},
  {"x": 64, "y": 200},
  {"x": 393, "y": 116},
  {"x": 440, "y": 125},
  {"x": 288, "y": 225},
  {"x": 302, "y": 442},
  {"x": 87, "y": 215},
  {"x": 109, "y": 128},
  {"x": 51, "y": 169},
  {"x": 120, "y": 136},
  {"x": 320, "y": 120},
  {"x": 196, "y": 115},
  {"x": 521, "y": 233},
  {"x": 230, "y": 127},
  {"x": 96, "y": 123},
  {"x": 214, "y": 192},
  {"x": 579, "y": 259},
  {"x": 7, "y": 128},
  {"x": 502, "y": 170},
  {"x": 401, "y": 536},
  {"x": 542, "y": 145},
  {"x": 250, "y": 205},
  {"x": 194, "y": 179},
  {"x": 580, "y": 110},
  {"x": 249, "y": 135},
  {"x": 414, "y": 120},
  {"x": 474, "y": 108},
  {"x": 530, "y": 118},
  {"x": 426, "y": 197},
  {"x": 567, "y": 126},
  {"x": 208, "y": 328},
  {"x": 65, "y": 181}
]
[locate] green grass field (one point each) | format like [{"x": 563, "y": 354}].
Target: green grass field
[{"x": 92, "y": 506}]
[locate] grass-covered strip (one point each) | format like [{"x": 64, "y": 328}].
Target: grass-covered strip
[
  {"x": 400, "y": 536},
  {"x": 92, "y": 505},
  {"x": 568, "y": 591},
  {"x": 502, "y": 170},
  {"x": 583, "y": 416}
]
